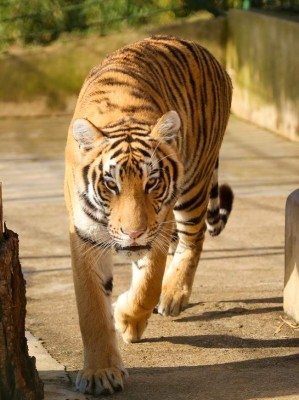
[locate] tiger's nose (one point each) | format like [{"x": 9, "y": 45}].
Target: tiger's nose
[{"x": 134, "y": 234}]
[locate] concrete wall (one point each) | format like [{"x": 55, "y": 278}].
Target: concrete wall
[
  {"x": 210, "y": 33},
  {"x": 291, "y": 279},
  {"x": 263, "y": 60}
]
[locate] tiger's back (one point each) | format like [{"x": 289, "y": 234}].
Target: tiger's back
[{"x": 148, "y": 78}]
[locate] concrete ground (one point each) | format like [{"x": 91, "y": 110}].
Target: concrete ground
[{"x": 232, "y": 343}]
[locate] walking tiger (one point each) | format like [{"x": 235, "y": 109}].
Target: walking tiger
[{"x": 142, "y": 181}]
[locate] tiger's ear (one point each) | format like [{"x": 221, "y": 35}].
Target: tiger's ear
[
  {"x": 85, "y": 133},
  {"x": 167, "y": 127}
]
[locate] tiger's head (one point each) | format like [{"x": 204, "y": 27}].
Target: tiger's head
[{"x": 128, "y": 180}]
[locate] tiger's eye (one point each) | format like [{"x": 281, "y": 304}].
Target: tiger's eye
[
  {"x": 151, "y": 182},
  {"x": 111, "y": 185}
]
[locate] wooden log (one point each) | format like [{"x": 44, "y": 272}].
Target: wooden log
[
  {"x": 1, "y": 214},
  {"x": 19, "y": 379}
]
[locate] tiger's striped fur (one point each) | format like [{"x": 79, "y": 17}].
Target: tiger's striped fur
[{"x": 141, "y": 173}]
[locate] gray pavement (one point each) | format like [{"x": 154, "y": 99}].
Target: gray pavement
[{"x": 233, "y": 342}]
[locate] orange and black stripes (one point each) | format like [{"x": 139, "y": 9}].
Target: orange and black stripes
[{"x": 134, "y": 87}]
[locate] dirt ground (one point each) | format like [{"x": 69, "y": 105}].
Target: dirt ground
[{"x": 234, "y": 341}]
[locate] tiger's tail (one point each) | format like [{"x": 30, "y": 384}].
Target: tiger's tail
[{"x": 220, "y": 205}]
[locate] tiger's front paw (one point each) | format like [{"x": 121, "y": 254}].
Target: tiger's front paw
[
  {"x": 101, "y": 381},
  {"x": 173, "y": 300},
  {"x": 130, "y": 326}
]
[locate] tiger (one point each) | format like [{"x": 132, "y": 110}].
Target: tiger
[{"x": 141, "y": 181}]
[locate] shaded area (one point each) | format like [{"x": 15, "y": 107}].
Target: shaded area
[
  {"x": 226, "y": 342},
  {"x": 228, "y": 313},
  {"x": 242, "y": 380},
  {"x": 256, "y": 301}
]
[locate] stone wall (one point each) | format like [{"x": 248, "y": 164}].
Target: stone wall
[
  {"x": 291, "y": 279},
  {"x": 262, "y": 59}
]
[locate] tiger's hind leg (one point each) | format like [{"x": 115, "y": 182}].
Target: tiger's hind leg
[
  {"x": 191, "y": 226},
  {"x": 179, "y": 276}
]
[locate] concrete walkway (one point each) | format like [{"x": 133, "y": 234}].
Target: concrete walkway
[{"x": 232, "y": 343}]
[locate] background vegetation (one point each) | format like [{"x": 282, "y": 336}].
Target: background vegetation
[
  {"x": 42, "y": 21},
  {"x": 37, "y": 78}
]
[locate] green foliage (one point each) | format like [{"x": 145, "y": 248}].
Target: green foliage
[
  {"x": 42, "y": 21},
  {"x": 37, "y": 21}
]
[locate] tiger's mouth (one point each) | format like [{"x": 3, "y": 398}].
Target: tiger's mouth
[{"x": 132, "y": 248}]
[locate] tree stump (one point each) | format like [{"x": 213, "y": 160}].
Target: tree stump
[{"x": 19, "y": 379}]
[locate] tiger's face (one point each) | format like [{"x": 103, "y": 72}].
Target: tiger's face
[{"x": 129, "y": 183}]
